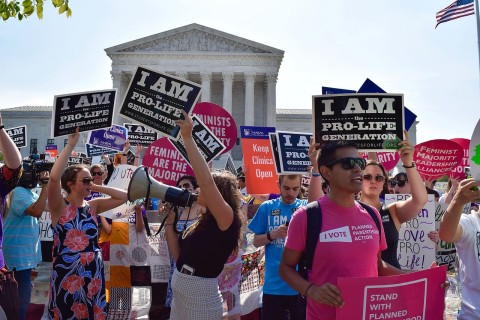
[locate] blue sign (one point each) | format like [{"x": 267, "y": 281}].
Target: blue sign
[
  {"x": 255, "y": 132},
  {"x": 293, "y": 152},
  {"x": 329, "y": 90},
  {"x": 112, "y": 138}
]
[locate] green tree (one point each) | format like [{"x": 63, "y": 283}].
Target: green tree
[{"x": 15, "y": 9}]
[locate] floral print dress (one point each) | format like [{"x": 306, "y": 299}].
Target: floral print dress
[{"x": 77, "y": 284}]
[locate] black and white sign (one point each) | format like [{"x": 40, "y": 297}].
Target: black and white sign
[
  {"x": 209, "y": 145},
  {"x": 93, "y": 150},
  {"x": 374, "y": 121},
  {"x": 293, "y": 151},
  {"x": 140, "y": 135},
  {"x": 230, "y": 166},
  {"x": 75, "y": 160},
  {"x": 156, "y": 100},
  {"x": 276, "y": 157},
  {"x": 86, "y": 110},
  {"x": 18, "y": 135}
]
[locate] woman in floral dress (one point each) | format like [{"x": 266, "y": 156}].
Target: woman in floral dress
[{"x": 77, "y": 280}]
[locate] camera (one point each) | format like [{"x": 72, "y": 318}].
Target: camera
[{"x": 31, "y": 171}]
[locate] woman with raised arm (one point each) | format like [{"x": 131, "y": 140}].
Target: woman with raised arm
[
  {"x": 214, "y": 235},
  {"x": 77, "y": 285},
  {"x": 375, "y": 181}
]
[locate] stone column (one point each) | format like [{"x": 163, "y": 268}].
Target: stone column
[
  {"x": 249, "y": 98},
  {"x": 120, "y": 81},
  {"x": 206, "y": 82},
  {"x": 227, "y": 90},
  {"x": 271, "y": 115}
]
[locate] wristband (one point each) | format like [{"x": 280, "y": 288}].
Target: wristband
[
  {"x": 306, "y": 291},
  {"x": 315, "y": 174},
  {"x": 2, "y": 126},
  {"x": 124, "y": 154},
  {"x": 410, "y": 166},
  {"x": 268, "y": 237},
  {"x": 137, "y": 157}
]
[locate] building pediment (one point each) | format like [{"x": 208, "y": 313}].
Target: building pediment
[{"x": 193, "y": 38}]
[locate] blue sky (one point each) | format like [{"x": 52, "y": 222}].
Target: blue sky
[{"x": 327, "y": 43}]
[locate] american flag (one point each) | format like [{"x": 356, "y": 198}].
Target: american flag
[{"x": 457, "y": 9}]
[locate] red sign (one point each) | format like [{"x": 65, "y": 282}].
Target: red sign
[
  {"x": 388, "y": 159},
  {"x": 219, "y": 121},
  {"x": 416, "y": 295},
  {"x": 165, "y": 163},
  {"x": 459, "y": 171},
  {"x": 436, "y": 158}
]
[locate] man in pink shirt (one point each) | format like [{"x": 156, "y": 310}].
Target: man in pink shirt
[{"x": 350, "y": 243}]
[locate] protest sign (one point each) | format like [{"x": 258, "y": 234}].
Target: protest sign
[
  {"x": 85, "y": 110},
  {"x": 446, "y": 254},
  {"x": 93, "y": 151},
  {"x": 18, "y": 135},
  {"x": 274, "y": 145},
  {"x": 329, "y": 90},
  {"x": 52, "y": 150},
  {"x": 415, "y": 249},
  {"x": 208, "y": 144},
  {"x": 75, "y": 160},
  {"x": 293, "y": 151},
  {"x": 120, "y": 178},
  {"x": 230, "y": 166},
  {"x": 459, "y": 171},
  {"x": 156, "y": 100},
  {"x": 474, "y": 153},
  {"x": 112, "y": 138},
  {"x": 374, "y": 122},
  {"x": 219, "y": 121},
  {"x": 165, "y": 163},
  {"x": 436, "y": 158},
  {"x": 388, "y": 159},
  {"x": 412, "y": 296},
  {"x": 140, "y": 135},
  {"x": 259, "y": 167}
]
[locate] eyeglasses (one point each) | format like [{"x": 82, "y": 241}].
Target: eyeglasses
[
  {"x": 349, "y": 163},
  {"x": 185, "y": 185},
  {"x": 401, "y": 183},
  {"x": 369, "y": 177},
  {"x": 99, "y": 173},
  {"x": 86, "y": 181}
]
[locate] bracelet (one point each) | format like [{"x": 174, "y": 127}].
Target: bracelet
[
  {"x": 316, "y": 174},
  {"x": 124, "y": 154},
  {"x": 268, "y": 237},
  {"x": 306, "y": 291},
  {"x": 137, "y": 157},
  {"x": 410, "y": 166},
  {"x": 2, "y": 126}
]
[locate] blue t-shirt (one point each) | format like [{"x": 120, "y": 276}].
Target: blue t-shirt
[
  {"x": 21, "y": 242},
  {"x": 270, "y": 215}
]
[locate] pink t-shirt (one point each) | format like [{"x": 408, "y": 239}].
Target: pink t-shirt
[{"x": 348, "y": 247}]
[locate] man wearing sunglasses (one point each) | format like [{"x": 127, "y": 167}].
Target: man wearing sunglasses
[{"x": 347, "y": 230}]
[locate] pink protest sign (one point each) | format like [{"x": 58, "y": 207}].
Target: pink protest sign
[
  {"x": 165, "y": 163},
  {"x": 436, "y": 158},
  {"x": 219, "y": 121},
  {"x": 416, "y": 295},
  {"x": 459, "y": 171},
  {"x": 388, "y": 159}
]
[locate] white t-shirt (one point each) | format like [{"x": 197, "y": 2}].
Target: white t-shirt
[{"x": 468, "y": 250}]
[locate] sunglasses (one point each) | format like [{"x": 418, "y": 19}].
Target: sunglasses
[
  {"x": 369, "y": 177},
  {"x": 100, "y": 173},
  {"x": 401, "y": 183},
  {"x": 185, "y": 186},
  {"x": 349, "y": 163},
  {"x": 86, "y": 181}
]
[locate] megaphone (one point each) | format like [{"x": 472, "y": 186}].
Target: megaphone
[{"x": 142, "y": 186}]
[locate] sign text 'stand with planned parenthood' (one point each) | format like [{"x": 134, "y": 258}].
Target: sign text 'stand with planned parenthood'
[{"x": 374, "y": 122}]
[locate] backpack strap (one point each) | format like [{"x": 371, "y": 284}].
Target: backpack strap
[
  {"x": 374, "y": 217},
  {"x": 314, "y": 226}
]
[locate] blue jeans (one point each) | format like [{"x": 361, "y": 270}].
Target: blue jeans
[{"x": 24, "y": 290}]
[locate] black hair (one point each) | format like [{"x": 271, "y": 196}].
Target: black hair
[
  {"x": 328, "y": 153},
  {"x": 192, "y": 180}
]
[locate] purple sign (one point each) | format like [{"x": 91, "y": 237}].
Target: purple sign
[{"x": 112, "y": 138}]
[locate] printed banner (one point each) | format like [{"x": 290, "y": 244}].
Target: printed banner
[
  {"x": 293, "y": 151},
  {"x": 18, "y": 135},
  {"x": 230, "y": 166},
  {"x": 85, "y": 110},
  {"x": 446, "y": 252},
  {"x": 52, "y": 150},
  {"x": 374, "y": 122},
  {"x": 208, "y": 144},
  {"x": 412, "y": 296},
  {"x": 140, "y": 135},
  {"x": 436, "y": 158},
  {"x": 165, "y": 163},
  {"x": 75, "y": 160},
  {"x": 388, "y": 159},
  {"x": 219, "y": 121},
  {"x": 93, "y": 151},
  {"x": 459, "y": 171},
  {"x": 474, "y": 153},
  {"x": 415, "y": 249},
  {"x": 156, "y": 100},
  {"x": 260, "y": 175},
  {"x": 111, "y": 138},
  {"x": 276, "y": 156}
]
